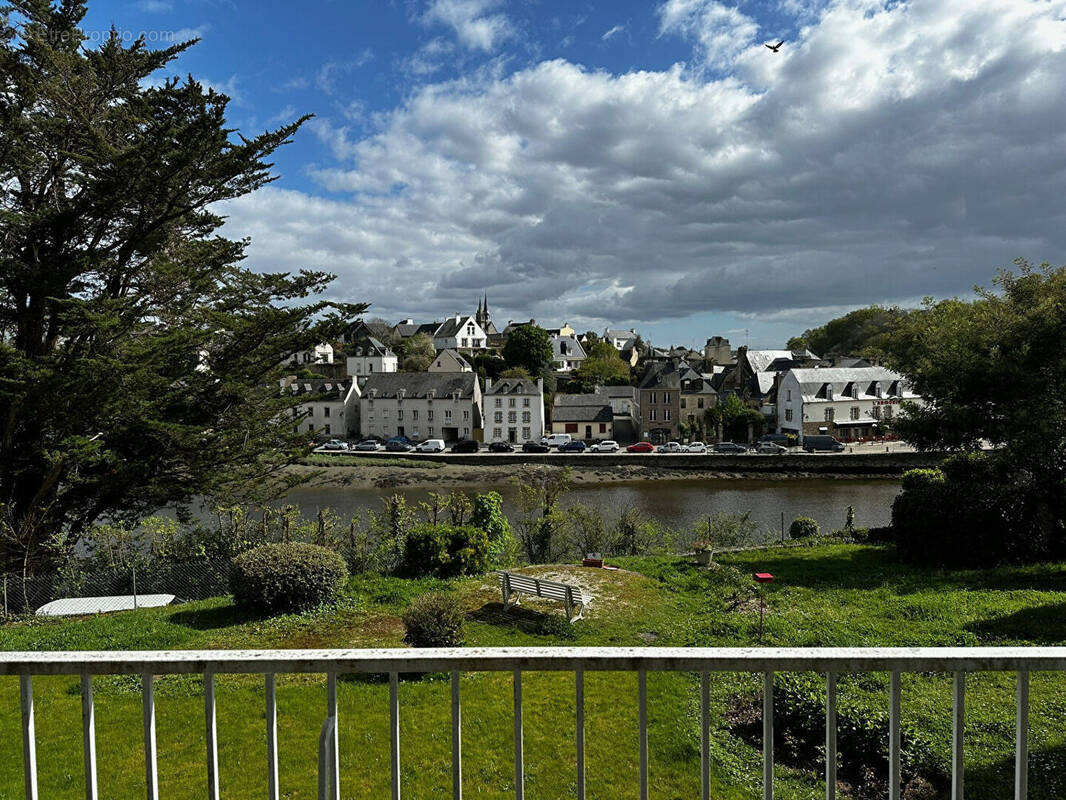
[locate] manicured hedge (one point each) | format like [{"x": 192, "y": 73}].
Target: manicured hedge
[
  {"x": 802, "y": 528},
  {"x": 280, "y": 578},
  {"x": 445, "y": 550}
]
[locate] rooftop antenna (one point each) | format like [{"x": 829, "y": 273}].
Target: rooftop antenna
[{"x": 745, "y": 337}]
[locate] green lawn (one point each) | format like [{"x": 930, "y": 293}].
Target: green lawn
[{"x": 823, "y": 596}]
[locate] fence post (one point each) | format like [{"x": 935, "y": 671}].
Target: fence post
[
  {"x": 5, "y": 595},
  {"x": 134, "y": 569}
]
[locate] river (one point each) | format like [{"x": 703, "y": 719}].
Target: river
[{"x": 677, "y": 504}]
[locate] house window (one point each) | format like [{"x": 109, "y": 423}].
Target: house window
[
  {"x": 525, "y": 433},
  {"x": 429, "y": 415},
  {"x": 511, "y": 402},
  {"x": 652, "y": 412},
  {"x": 447, "y": 415},
  {"x": 666, "y": 415},
  {"x": 652, "y": 398},
  {"x": 414, "y": 415},
  {"x": 875, "y": 412},
  {"x": 385, "y": 413},
  {"x": 499, "y": 402},
  {"x": 466, "y": 415},
  {"x": 830, "y": 413},
  {"x": 525, "y": 402},
  {"x": 498, "y": 417},
  {"x": 854, "y": 412},
  {"x": 369, "y": 367},
  {"x": 829, "y": 391},
  {"x": 328, "y": 431},
  {"x": 497, "y": 433},
  {"x": 788, "y": 415},
  {"x": 469, "y": 330},
  {"x": 466, "y": 432},
  {"x": 603, "y": 427},
  {"x": 399, "y": 414},
  {"x": 684, "y": 402},
  {"x": 465, "y": 342},
  {"x": 526, "y": 416},
  {"x": 699, "y": 402},
  {"x": 325, "y": 411},
  {"x": 788, "y": 395},
  {"x": 877, "y": 389},
  {"x": 888, "y": 412},
  {"x": 512, "y": 417}
]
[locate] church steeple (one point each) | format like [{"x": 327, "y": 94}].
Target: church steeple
[{"x": 483, "y": 316}]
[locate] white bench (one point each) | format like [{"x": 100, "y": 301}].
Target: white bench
[{"x": 514, "y": 584}]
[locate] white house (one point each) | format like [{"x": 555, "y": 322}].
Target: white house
[
  {"x": 450, "y": 361},
  {"x": 567, "y": 353},
  {"x": 328, "y": 407},
  {"x": 514, "y": 410},
  {"x": 460, "y": 333},
  {"x": 421, "y": 405},
  {"x": 620, "y": 340},
  {"x": 321, "y": 354},
  {"x": 849, "y": 403},
  {"x": 366, "y": 354}
]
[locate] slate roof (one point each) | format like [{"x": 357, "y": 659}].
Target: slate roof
[
  {"x": 845, "y": 380},
  {"x": 419, "y": 384},
  {"x": 519, "y": 386},
  {"x": 576, "y": 351},
  {"x": 593, "y": 412},
  {"x": 320, "y": 388},
  {"x": 661, "y": 376},
  {"x": 452, "y": 326},
  {"x": 455, "y": 354}
]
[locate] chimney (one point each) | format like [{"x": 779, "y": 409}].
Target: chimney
[
  {"x": 488, "y": 384},
  {"x": 540, "y": 385}
]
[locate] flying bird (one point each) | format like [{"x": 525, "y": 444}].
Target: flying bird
[{"x": 775, "y": 47}]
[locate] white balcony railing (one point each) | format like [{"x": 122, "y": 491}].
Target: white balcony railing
[{"x": 829, "y": 661}]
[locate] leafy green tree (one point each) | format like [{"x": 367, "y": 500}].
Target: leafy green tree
[
  {"x": 602, "y": 367},
  {"x": 418, "y": 352},
  {"x": 529, "y": 347},
  {"x": 735, "y": 419},
  {"x": 138, "y": 359},
  {"x": 865, "y": 332}
]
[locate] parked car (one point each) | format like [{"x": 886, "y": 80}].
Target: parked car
[
  {"x": 606, "y": 446},
  {"x": 778, "y": 438},
  {"x": 535, "y": 447},
  {"x": 814, "y": 444},
  {"x": 368, "y": 445},
  {"x": 671, "y": 447},
  {"x": 334, "y": 444},
  {"x": 466, "y": 446},
  {"x": 398, "y": 446},
  {"x": 770, "y": 448},
  {"x": 573, "y": 447},
  {"x": 696, "y": 447},
  {"x": 501, "y": 447},
  {"x": 641, "y": 447},
  {"x": 557, "y": 439},
  {"x": 730, "y": 447},
  {"x": 431, "y": 446}
]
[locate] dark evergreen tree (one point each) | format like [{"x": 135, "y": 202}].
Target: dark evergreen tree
[{"x": 138, "y": 359}]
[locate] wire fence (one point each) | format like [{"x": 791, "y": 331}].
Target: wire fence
[{"x": 116, "y": 589}]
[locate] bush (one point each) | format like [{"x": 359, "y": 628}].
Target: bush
[
  {"x": 488, "y": 516},
  {"x": 802, "y": 528},
  {"x": 279, "y": 578},
  {"x": 977, "y": 510},
  {"x": 445, "y": 551},
  {"x": 434, "y": 620}
]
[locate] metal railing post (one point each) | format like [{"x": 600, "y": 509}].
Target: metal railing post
[
  {"x": 830, "y": 736},
  {"x": 1021, "y": 741},
  {"x": 29, "y": 737},
  {"x": 88, "y": 735},
  {"x": 768, "y": 736}
]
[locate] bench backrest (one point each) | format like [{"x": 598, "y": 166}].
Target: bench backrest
[{"x": 527, "y": 584}]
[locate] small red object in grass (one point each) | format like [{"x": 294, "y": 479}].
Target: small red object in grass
[
  {"x": 592, "y": 562},
  {"x": 764, "y": 577}
]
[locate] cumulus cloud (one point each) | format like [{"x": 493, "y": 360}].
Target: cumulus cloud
[
  {"x": 890, "y": 151},
  {"x": 476, "y": 27},
  {"x": 720, "y": 31}
]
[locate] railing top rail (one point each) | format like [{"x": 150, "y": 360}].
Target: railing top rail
[{"x": 489, "y": 659}]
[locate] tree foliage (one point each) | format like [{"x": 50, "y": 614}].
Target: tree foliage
[
  {"x": 866, "y": 332},
  {"x": 138, "y": 358},
  {"x": 603, "y": 367},
  {"x": 529, "y": 347},
  {"x": 418, "y": 352}
]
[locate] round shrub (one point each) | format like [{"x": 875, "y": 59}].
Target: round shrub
[
  {"x": 445, "y": 551},
  {"x": 434, "y": 620},
  {"x": 280, "y": 578},
  {"x": 803, "y": 528}
]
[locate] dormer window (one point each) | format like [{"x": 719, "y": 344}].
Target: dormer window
[
  {"x": 829, "y": 391},
  {"x": 878, "y": 389}
]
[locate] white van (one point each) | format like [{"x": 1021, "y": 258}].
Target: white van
[
  {"x": 431, "y": 446},
  {"x": 557, "y": 439}
]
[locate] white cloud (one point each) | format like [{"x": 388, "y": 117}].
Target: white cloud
[
  {"x": 886, "y": 153},
  {"x": 608, "y": 35},
  {"x": 155, "y": 6},
  {"x": 332, "y": 71},
  {"x": 474, "y": 24},
  {"x": 721, "y": 31}
]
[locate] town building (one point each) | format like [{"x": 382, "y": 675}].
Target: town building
[
  {"x": 589, "y": 417},
  {"x": 421, "y": 405},
  {"x": 319, "y": 354},
  {"x": 567, "y": 353},
  {"x": 620, "y": 340},
  {"x": 565, "y": 330},
  {"x": 625, "y": 408},
  {"x": 483, "y": 317},
  {"x": 450, "y": 361},
  {"x": 849, "y": 403},
  {"x": 660, "y": 402},
  {"x": 460, "y": 333},
  {"x": 328, "y": 407},
  {"x": 366, "y": 354},
  {"x": 514, "y": 410},
  {"x": 698, "y": 396},
  {"x": 717, "y": 352}
]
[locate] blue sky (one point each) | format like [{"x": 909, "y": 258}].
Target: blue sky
[{"x": 643, "y": 164}]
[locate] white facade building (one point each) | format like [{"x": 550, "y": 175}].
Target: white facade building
[
  {"x": 321, "y": 354},
  {"x": 848, "y": 403},
  {"x": 329, "y": 407},
  {"x": 460, "y": 333},
  {"x": 514, "y": 410},
  {"x": 421, "y": 405},
  {"x": 567, "y": 353}
]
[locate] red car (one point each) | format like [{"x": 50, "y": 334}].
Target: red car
[{"x": 641, "y": 447}]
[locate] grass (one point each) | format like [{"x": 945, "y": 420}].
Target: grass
[
  {"x": 346, "y": 460},
  {"x": 828, "y": 595}
]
